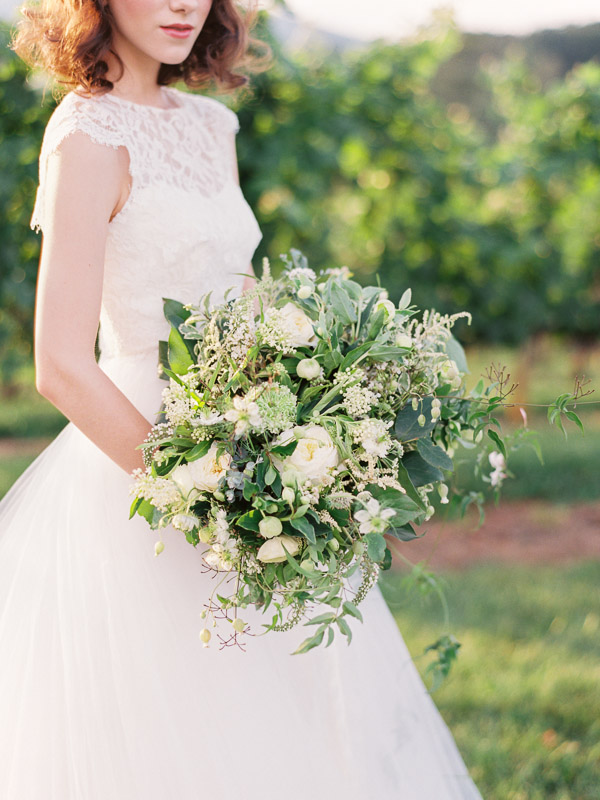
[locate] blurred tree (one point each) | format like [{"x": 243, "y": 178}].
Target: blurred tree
[
  {"x": 22, "y": 123},
  {"x": 355, "y": 160}
]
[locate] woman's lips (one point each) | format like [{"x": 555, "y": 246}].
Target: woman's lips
[{"x": 177, "y": 31}]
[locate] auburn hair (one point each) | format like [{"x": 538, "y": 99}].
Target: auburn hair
[{"x": 71, "y": 39}]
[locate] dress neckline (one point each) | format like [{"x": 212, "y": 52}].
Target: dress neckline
[{"x": 176, "y": 96}]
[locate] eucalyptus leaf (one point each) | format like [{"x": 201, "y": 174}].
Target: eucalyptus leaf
[
  {"x": 406, "y": 426},
  {"x": 454, "y": 350},
  {"x": 419, "y": 471},
  {"x": 434, "y": 455}
]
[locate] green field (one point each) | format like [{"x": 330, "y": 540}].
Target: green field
[{"x": 523, "y": 700}]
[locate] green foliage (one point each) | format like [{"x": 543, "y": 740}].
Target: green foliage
[
  {"x": 522, "y": 700},
  {"x": 22, "y": 123},
  {"x": 356, "y": 160}
]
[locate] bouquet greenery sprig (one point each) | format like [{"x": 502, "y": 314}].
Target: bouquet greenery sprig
[{"x": 307, "y": 425}]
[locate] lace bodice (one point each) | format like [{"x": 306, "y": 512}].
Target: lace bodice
[{"x": 185, "y": 228}]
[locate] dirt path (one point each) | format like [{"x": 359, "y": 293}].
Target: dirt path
[
  {"x": 22, "y": 447},
  {"x": 524, "y": 532}
]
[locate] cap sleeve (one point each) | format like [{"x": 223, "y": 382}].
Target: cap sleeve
[{"x": 73, "y": 114}]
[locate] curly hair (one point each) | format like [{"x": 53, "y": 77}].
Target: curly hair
[{"x": 71, "y": 40}]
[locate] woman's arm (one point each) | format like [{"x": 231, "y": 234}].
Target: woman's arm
[{"x": 69, "y": 293}]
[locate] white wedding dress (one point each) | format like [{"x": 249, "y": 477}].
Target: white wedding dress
[{"x": 106, "y": 692}]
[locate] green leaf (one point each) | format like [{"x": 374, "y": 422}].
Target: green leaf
[
  {"x": 174, "y": 312},
  {"x": 198, "y": 451},
  {"x": 342, "y": 305},
  {"x": 344, "y": 628},
  {"x": 406, "y": 427},
  {"x": 405, "y": 533},
  {"x": 270, "y": 475},
  {"x": 308, "y": 644},
  {"x": 498, "y": 441},
  {"x": 306, "y": 529},
  {"x": 375, "y": 546},
  {"x": 353, "y": 355},
  {"x": 351, "y": 609},
  {"x": 284, "y": 449},
  {"x": 179, "y": 356},
  {"x": 330, "y": 635},
  {"x": 250, "y": 489},
  {"x": 250, "y": 520},
  {"x": 134, "y": 506},
  {"x": 146, "y": 510},
  {"x": 455, "y": 351},
  {"x": 574, "y": 418},
  {"x": 387, "y": 352},
  {"x": 163, "y": 354},
  {"x": 329, "y": 617},
  {"x": 387, "y": 559},
  {"x": 434, "y": 455},
  {"x": 376, "y": 324},
  {"x": 419, "y": 471},
  {"x": 405, "y": 299},
  {"x": 408, "y": 486}
]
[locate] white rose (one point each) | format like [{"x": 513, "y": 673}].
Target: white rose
[
  {"x": 298, "y": 325},
  {"x": 314, "y": 457},
  {"x": 207, "y": 471},
  {"x": 272, "y": 552},
  {"x": 182, "y": 478}
]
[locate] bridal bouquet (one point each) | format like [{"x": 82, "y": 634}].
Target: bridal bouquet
[{"x": 303, "y": 423}]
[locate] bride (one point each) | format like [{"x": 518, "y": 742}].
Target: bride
[{"x": 106, "y": 692}]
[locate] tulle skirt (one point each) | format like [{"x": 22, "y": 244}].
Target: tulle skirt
[{"x": 106, "y": 692}]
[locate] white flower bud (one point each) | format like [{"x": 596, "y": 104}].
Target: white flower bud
[
  {"x": 288, "y": 494},
  {"x": 435, "y": 413},
  {"x": 219, "y": 496},
  {"x": 270, "y": 526},
  {"x": 449, "y": 371},
  {"x": 308, "y": 368},
  {"x": 421, "y": 420},
  {"x": 205, "y": 635},
  {"x": 238, "y": 624},
  {"x": 443, "y": 492},
  {"x": 436, "y": 402},
  {"x": 158, "y": 548},
  {"x": 333, "y": 544},
  {"x": 415, "y": 403},
  {"x": 304, "y": 292}
]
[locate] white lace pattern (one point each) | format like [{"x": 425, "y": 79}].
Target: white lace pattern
[{"x": 185, "y": 228}]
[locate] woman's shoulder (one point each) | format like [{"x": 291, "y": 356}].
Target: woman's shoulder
[
  {"x": 102, "y": 122},
  {"x": 210, "y": 107}
]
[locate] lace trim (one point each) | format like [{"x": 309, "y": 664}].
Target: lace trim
[{"x": 201, "y": 160}]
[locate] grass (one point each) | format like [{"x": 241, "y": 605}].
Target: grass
[
  {"x": 28, "y": 415},
  {"x": 523, "y": 700}
]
